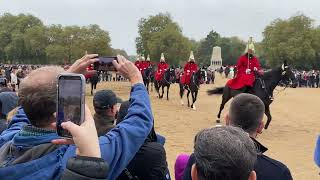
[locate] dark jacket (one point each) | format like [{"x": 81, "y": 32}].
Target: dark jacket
[
  {"x": 265, "y": 167},
  {"x": 84, "y": 168},
  {"x": 103, "y": 124},
  {"x": 149, "y": 163}
]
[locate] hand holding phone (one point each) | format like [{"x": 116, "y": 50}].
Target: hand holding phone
[
  {"x": 70, "y": 101},
  {"x": 82, "y": 135}
]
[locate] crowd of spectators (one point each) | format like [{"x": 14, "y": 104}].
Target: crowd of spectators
[{"x": 119, "y": 140}]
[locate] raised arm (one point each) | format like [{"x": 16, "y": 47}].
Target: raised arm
[{"x": 120, "y": 145}]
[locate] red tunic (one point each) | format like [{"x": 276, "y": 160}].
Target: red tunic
[
  {"x": 162, "y": 67},
  {"x": 146, "y": 64},
  {"x": 189, "y": 69},
  {"x": 139, "y": 65},
  {"x": 89, "y": 68},
  {"x": 242, "y": 78}
]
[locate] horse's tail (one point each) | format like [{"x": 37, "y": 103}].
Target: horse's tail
[
  {"x": 156, "y": 86},
  {"x": 218, "y": 90}
]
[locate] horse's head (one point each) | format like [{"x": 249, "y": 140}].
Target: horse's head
[
  {"x": 147, "y": 72},
  {"x": 170, "y": 75},
  {"x": 287, "y": 75},
  {"x": 200, "y": 75}
]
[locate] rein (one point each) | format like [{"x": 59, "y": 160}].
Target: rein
[{"x": 164, "y": 78}]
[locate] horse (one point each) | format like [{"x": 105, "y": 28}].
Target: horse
[
  {"x": 263, "y": 87},
  {"x": 147, "y": 76},
  {"x": 166, "y": 81},
  {"x": 227, "y": 71},
  {"x": 196, "y": 79}
]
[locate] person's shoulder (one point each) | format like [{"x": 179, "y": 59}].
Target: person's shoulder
[
  {"x": 272, "y": 167},
  {"x": 152, "y": 148}
]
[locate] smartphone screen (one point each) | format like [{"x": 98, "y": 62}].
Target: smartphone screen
[
  {"x": 105, "y": 63},
  {"x": 70, "y": 105}
]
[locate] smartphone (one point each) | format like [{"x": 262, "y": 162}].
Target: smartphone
[
  {"x": 70, "y": 101},
  {"x": 105, "y": 63}
]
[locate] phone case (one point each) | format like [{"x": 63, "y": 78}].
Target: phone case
[{"x": 83, "y": 86}]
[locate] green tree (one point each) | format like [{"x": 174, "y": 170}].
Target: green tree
[
  {"x": 171, "y": 42},
  {"x": 204, "y": 52},
  {"x": 24, "y": 39},
  {"x": 159, "y": 34},
  {"x": 231, "y": 49},
  {"x": 291, "y": 40}
]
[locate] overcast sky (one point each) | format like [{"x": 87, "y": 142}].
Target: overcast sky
[{"x": 241, "y": 18}]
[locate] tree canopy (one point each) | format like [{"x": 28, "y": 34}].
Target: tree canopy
[
  {"x": 25, "y": 39},
  {"x": 295, "y": 40},
  {"x": 159, "y": 34}
]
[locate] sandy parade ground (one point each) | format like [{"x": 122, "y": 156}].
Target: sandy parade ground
[{"x": 290, "y": 138}]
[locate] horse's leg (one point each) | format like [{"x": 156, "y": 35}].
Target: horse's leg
[
  {"x": 225, "y": 98},
  {"x": 268, "y": 114},
  {"x": 188, "y": 98},
  {"x": 162, "y": 91},
  {"x": 194, "y": 99},
  {"x": 91, "y": 88},
  {"x": 181, "y": 93},
  {"x": 193, "y": 95},
  {"x": 168, "y": 87},
  {"x": 152, "y": 86}
]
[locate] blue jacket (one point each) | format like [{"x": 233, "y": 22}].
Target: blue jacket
[
  {"x": 118, "y": 146},
  {"x": 317, "y": 152}
]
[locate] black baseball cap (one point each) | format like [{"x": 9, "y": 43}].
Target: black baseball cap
[{"x": 105, "y": 99}]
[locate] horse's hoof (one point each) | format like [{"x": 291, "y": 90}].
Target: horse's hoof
[
  {"x": 194, "y": 108},
  {"x": 181, "y": 102},
  {"x": 218, "y": 121}
]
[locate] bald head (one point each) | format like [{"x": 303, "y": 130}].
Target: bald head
[
  {"x": 37, "y": 95},
  {"x": 246, "y": 111}
]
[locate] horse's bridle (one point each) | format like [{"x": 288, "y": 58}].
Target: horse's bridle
[{"x": 164, "y": 78}]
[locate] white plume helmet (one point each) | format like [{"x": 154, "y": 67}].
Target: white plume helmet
[
  {"x": 148, "y": 58},
  {"x": 143, "y": 58},
  {"x": 191, "y": 58},
  {"x": 250, "y": 45},
  {"x": 162, "y": 59},
  {"x": 138, "y": 57}
]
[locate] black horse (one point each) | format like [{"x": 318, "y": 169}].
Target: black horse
[
  {"x": 196, "y": 79},
  {"x": 263, "y": 87},
  {"x": 147, "y": 76},
  {"x": 227, "y": 71},
  {"x": 167, "y": 80}
]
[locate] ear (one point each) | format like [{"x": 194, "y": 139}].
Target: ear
[
  {"x": 285, "y": 63},
  {"x": 282, "y": 67},
  {"x": 194, "y": 172},
  {"x": 252, "y": 176},
  {"x": 260, "y": 128}
]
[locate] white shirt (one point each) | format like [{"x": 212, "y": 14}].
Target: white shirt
[{"x": 14, "y": 79}]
